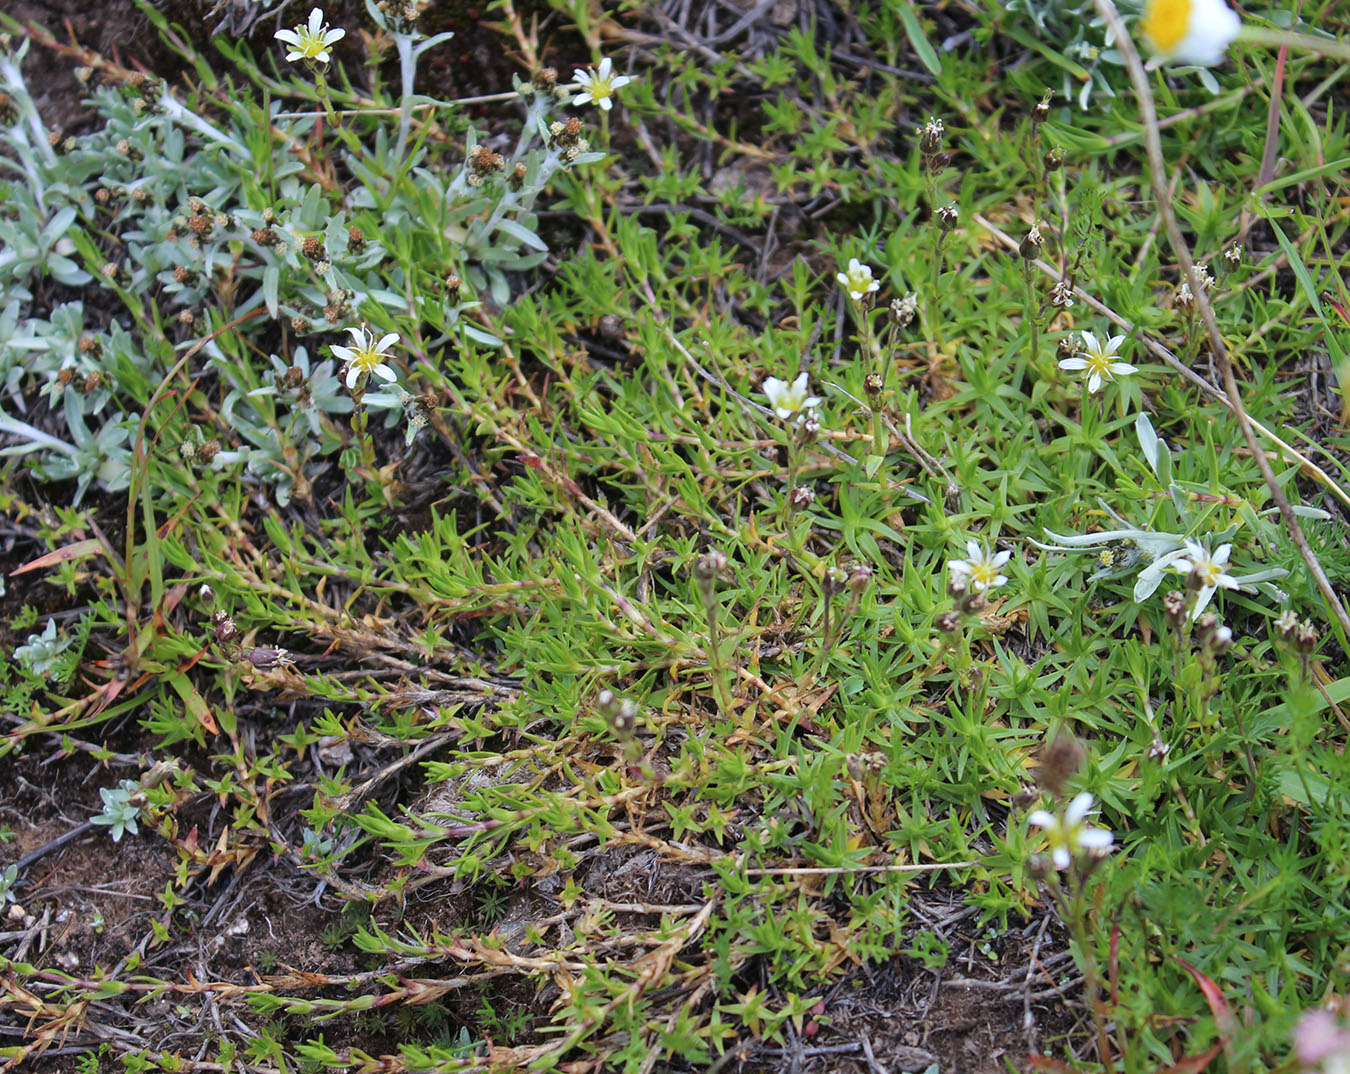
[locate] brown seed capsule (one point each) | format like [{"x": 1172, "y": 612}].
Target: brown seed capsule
[
  {"x": 208, "y": 451},
  {"x": 1030, "y": 246},
  {"x": 313, "y": 249},
  {"x": 269, "y": 659},
  {"x": 356, "y": 239},
  {"x": 545, "y": 79},
  {"x": 185, "y": 276},
  {"x": 225, "y": 629},
  {"x": 802, "y": 497}
]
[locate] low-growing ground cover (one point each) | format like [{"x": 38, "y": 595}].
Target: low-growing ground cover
[{"x": 689, "y": 537}]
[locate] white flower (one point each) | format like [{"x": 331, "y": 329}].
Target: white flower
[
  {"x": 597, "y": 85},
  {"x": 788, "y": 399},
  {"x": 858, "y": 280},
  {"x": 980, "y": 570},
  {"x": 1069, "y": 836},
  {"x": 1211, "y": 570},
  {"x": 365, "y": 356},
  {"x": 1101, "y": 361},
  {"x": 1189, "y": 31},
  {"x": 311, "y": 42}
]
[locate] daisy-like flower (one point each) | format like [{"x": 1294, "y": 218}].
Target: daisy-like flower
[
  {"x": 788, "y": 399},
  {"x": 1189, "y": 31},
  {"x": 366, "y": 356},
  {"x": 1210, "y": 570},
  {"x": 597, "y": 84},
  {"x": 310, "y": 42},
  {"x": 1069, "y": 836},
  {"x": 1099, "y": 360},
  {"x": 858, "y": 280},
  {"x": 980, "y": 569}
]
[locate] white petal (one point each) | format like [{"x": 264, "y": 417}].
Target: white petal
[
  {"x": 1113, "y": 344},
  {"x": 582, "y": 78},
  {"x": 334, "y": 36},
  {"x": 621, "y": 80},
  {"x": 290, "y": 37},
  {"x": 1227, "y": 581},
  {"x": 1094, "y": 382},
  {"x": 387, "y": 341},
  {"x": 999, "y": 579},
  {"x": 1222, "y": 553},
  {"x": 315, "y": 19},
  {"x": 1202, "y": 600},
  {"x": 1090, "y": 342},
  {"x": 1042, "y": 819},
  {"x": 1078, "y": 809},
  {"x": 384, "y": 372},
  {"x": 1073, "y": 363},
  {"x": 353, "y": 374},
  {"x": 295, "y": 56},
  {"x": 1000, "y": 559},
  {"x": 605, "y": 104},
  {"x": 1095, "y": 839},
  {"x": 959, "y": 566},
  {"x": 584, "y": 98},
  {"x": 1061, "y": 858},
  {"x": 1123, "y": 368},
  {"x": 342, "y": 354},
  {"x": 606, "y": 65},
  {"x": 974, "y": 551}
]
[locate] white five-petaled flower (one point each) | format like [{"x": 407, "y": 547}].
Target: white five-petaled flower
[
  {"x": 366, "y": 356},
  {"x": 788, "y": 399},
  {"x": 310, "y": 42},
  {"x": 597, "y": 84},
  {"x": 1189, "y": 31},
  {"x": 1069, "y": 835},
  {"x": 1212, "y": 572},
  {"x": 1099, "y": 360},
  {"x": 858, "y": 279},
  {"x": 980, "y": 569}
]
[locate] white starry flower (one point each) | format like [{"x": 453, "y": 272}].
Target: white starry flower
[
  {"x": 980, "y": 569},
  {"x": 310, "y": 42},
  {"x": 1099, "y": 361},
  {"x": 857, "y": 279},
  {"x": 1069, "y": 836},
  {"x": 1189, "y": 31},
  {"x": 1211, "y": 570},
  {"x": 596, "y": 85},
  {"x": 366, "y": 356},
  {"x": 789, "y": 399}
]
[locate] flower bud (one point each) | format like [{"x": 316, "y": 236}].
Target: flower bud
[{"x": 1031, "y": 245}]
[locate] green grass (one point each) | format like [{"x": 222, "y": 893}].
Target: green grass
[{"x": 581, "y": 426}]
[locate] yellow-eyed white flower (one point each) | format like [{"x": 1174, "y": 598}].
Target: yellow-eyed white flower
[
  {"x": 788, "y": 399},
  {"x": 1211, "y": 571},
  {"x": 1069, "y": 836},
  {"x": 857, "y": 279},
  {"x": 980, "y": 568},
  {"x": 1189, "y": 31},
  {"x": 597, "y": 84},
  {"x": 310, "y": 41},
  {"x": 365, "y": 355},
  {"x": 1099, "y": 360}
]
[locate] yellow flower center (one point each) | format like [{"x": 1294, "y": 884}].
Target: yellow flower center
[
  {"x": 1100, "y": 363},
  {"x": 1165, "y": 23},
  {"x": 983, "y": 572}
]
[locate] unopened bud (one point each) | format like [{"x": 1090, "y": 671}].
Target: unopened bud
[
  {"x": 947, "y": 217},
  {"x": 802, "y": 497},
  {"x": 1031, "y": 245}
]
